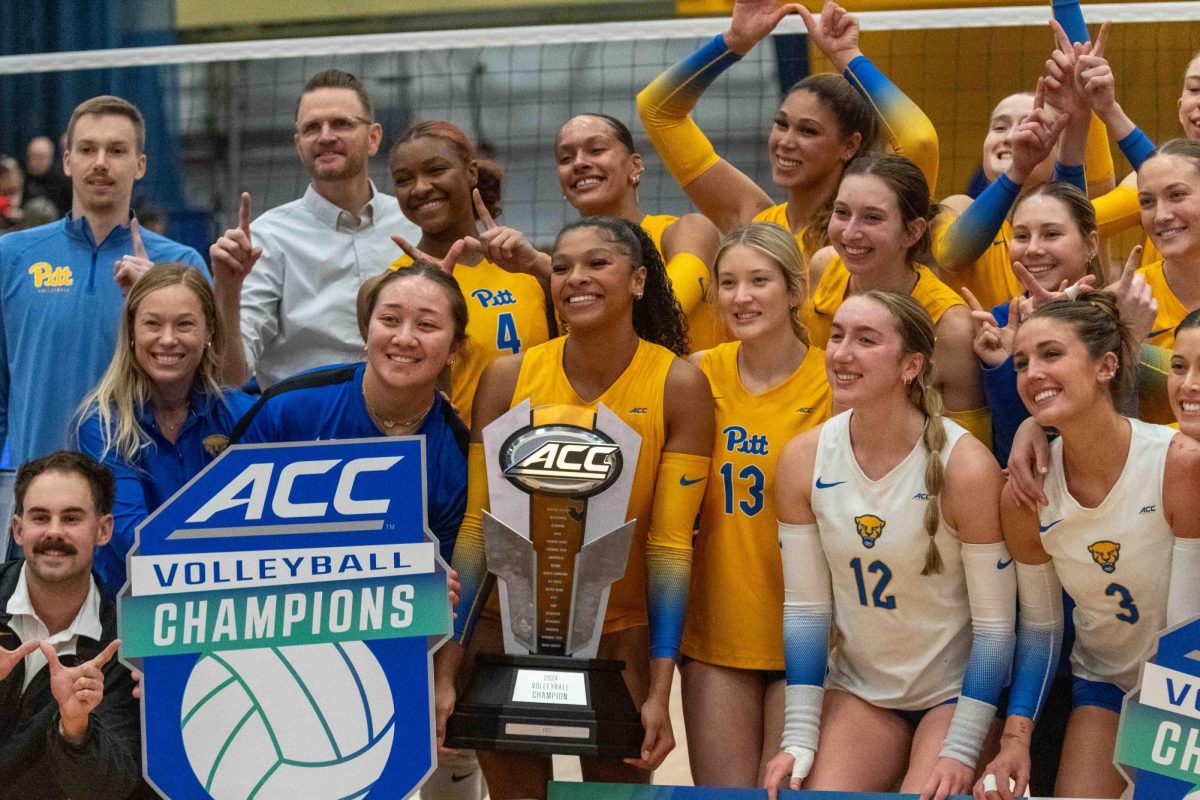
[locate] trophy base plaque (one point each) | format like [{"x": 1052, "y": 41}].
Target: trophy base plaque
[{"x": 547, "y": 704}]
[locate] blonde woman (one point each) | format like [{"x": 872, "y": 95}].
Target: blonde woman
[{"x": 159, "y": 414}]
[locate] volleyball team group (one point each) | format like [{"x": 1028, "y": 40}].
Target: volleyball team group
[{"x": 856, "y": 594}]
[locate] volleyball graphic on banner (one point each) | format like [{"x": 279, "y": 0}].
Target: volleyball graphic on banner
[{"x": 273, "y": 722}]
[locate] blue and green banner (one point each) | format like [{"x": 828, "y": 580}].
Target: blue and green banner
[
  {"x": 1158, "y": 742},
  {"x": 283, "y": 606}
]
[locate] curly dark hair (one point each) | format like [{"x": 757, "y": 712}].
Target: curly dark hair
[{"x": 657, "y": 316}]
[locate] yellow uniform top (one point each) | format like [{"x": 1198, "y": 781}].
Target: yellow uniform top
[
  {"x": 990, "y": 278},
  {"x": 637, "y": 397},
  {"x": 1118, "y": 210},
  {"x": 778, "y": 215},
  {"x": 831, "y": 290},
  {"x": 1170, "y": 311},
  {"x": 735, "y": 605},
  {"x": 705, "y": 328},
  {"x": 506, "y": 313}
]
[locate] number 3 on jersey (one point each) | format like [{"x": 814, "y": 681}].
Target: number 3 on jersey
[
  {"x": 753, "y": 476},
  {"x": 1129, "y": 611},
  {"x": 506, "y": 333}
]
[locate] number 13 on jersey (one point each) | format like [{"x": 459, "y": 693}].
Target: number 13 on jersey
[{"x": 743, "y": 492}]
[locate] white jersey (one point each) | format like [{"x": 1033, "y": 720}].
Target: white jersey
[
  {"x": 903, "y": 638},
  {"x": 1114, "y": 560}
]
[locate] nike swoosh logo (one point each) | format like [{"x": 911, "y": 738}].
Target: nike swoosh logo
[
  {"x": 457, "y": 778},
  {"x": 1003, "y": 564},
  {"x": 575, "y": 514},
  {"x": 1152, "y": 334},
  {"x": 1044, "y": 528},
  {"x": 685, "y": 481},
  {"x": 821, "y": 485}
]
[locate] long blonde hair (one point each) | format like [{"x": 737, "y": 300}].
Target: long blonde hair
[
  {"x": 915, "y": 327},
  {"x": 125, "y": 388}
]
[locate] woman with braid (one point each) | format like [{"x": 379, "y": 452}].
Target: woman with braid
[{"x": 889, "y": 526}]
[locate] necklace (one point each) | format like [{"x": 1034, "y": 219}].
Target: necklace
[
  {"x": 169, "y": 427},
  {"x": 393, "y": 427}
]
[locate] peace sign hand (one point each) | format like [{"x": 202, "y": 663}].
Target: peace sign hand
[
  {"x": 78, "y": 690},
  {"x": 234, "y": 254},
  {"x": 1094, "y": 76},
  {"x": 506, "y": 247},
  {"x": 127, "y": 269},
  {"x": 446, "y": 264},
  {"x": 1039, "y": 296},
  {"x": 1062, "y": 91},
  {"x": 10, "y": 658},
  {"x": 993, "y": 343},
  {"x": 1033, "y": 140}
]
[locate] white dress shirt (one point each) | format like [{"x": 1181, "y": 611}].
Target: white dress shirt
[
  {"x": 27, "y": 625},
  {"x": 298, "y": 303}
]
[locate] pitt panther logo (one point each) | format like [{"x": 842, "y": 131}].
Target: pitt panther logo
[
  {"x": 46, "y": 275},
  {"x": 490, "y": 299},
  {"x": 870, "y": 528},
  {"x": 1105, "y": 554}
]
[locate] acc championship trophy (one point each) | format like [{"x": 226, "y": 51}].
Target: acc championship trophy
[{"x": 559, "y": 480}]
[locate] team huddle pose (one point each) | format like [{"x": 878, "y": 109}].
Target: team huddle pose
[{"x": 825, "y": 389}]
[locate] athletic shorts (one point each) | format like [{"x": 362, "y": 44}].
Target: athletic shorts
[{"x": 1096, "y": 693}]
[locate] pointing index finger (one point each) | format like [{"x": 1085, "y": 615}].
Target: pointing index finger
[
  {"x": 972, "y": 301},
  {"x": 135, "y": 231},
  {"x": 1060, "y": 37},
  {"x": 481, "y": 210},
  {"x": 244, "y": 215},
  {"x": 106, "y": 654},
  {"x": 1101, "y": 40}
]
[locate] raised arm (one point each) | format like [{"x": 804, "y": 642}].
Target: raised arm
[
  {"x": 722, "y": 192},
  {"x": 909, "y": 131},
  {"x": 973, "y": 232}
]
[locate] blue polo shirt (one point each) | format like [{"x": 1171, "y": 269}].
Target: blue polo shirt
[
  {"x": 59, "y": 312},
  {"x": 159, "y": 471},
  {"x": 327, "y": 403}
]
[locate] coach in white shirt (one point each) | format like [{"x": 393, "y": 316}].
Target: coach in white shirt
[{"x": 288, "y": 283}]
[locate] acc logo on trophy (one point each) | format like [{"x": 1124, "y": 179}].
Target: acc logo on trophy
[{"x": 560, "y": 459}]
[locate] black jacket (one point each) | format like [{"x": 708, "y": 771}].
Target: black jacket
[{"x": 36, "y": 762}]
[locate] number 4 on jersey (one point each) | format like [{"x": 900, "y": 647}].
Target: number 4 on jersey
[{"x": 506, "y": 333}]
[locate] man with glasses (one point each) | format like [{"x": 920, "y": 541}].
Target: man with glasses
[{"x": 288, "y": 283}]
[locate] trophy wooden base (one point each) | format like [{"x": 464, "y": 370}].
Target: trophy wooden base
[{"x": 547, "y": 704}]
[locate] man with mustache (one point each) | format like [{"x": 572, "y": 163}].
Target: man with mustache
[
  {"x": 62, "y": 285},
  {"x": 69, "y": 724},
  {"x": 302, "y": 263}
]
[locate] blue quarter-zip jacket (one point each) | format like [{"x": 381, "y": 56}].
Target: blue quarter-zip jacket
[{"x": 59, "y": 312}]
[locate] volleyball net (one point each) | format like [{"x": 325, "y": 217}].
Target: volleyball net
[{"x": 230, "y": 107}]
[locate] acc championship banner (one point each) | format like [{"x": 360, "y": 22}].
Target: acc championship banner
[
  {"x": 1158, "y": 743},
  {"x": 280, "y": 604}
]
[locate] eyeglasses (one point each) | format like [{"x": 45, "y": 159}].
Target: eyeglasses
[{"x": 338, "y": 126}]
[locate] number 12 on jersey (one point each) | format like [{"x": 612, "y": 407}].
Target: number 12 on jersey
[{"x": 885, "y": 577}]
